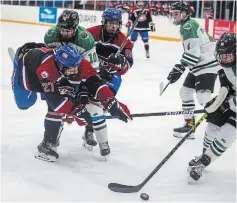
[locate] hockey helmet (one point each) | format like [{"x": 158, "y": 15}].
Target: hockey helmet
[
  {"x": 179, "y": 12},
  {"x": 68, "y": 59},
  {"x": 112, "y": 20},
  {"x": 67, "y": 23},
  {"x": 226, "y": 50}
]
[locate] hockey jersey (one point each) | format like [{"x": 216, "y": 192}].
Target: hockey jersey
[
  {"x": 82, "y": 42},
  {"x": 199, "y": 49},
  {"x": 39, "y": 74},
  {"x": 143, "y": 21},
  {"x": 106, "y": 45},
  {"x": 231, "y": 76}
]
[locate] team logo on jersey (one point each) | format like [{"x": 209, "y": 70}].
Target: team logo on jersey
[
  {"x": 50, "y": 32},
  {"x": 44, "y": 74},
  {"x": 84, "y": 35},
  {"x": 142, "y": 18},
  {"x": 64, "y": 55},
  {"x": 128, "y": 53},
  {"x": 187, "y": 26}
]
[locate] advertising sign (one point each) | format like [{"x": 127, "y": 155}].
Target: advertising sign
[
  {"x": 221, "y": 26},
  {"x": 48, "y": 15}
]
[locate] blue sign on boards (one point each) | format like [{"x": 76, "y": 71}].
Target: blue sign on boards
[{"x": 47, "y": 15}]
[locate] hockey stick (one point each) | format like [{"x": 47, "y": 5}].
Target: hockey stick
[
  {"x": 115, "y": 187},
  {"x": 11, "y": 53},
  {"x": 162, "y": 88},
  {"x": 168, "y": 113},
  {"x": 131, "y": 30}
]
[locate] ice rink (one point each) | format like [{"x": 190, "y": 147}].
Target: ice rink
[{"x": 136, "y": 148}]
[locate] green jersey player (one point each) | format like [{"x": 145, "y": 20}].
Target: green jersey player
[
  {"x": 199, "y": 58},
  {"x": 67, "y": 31}
]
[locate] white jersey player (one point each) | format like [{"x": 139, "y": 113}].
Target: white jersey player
[
  {"x": 221, "y": 129},
  {"x": 199, "y": 58}
]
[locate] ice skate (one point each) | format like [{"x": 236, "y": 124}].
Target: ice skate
[
  {"x": 89, "y": 141},
  {"x": 147, "y": 54},
  {"x": 182, "y": 131},
  {"x": 104, "y": 150},
  {"x": 47, "y": 152}
]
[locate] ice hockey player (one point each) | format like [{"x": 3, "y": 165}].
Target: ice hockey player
[
  {"x": 143, "y": 26},
  {"x": 221, "y": 129},
  {"x": 108, "y": 39},
  {"x": 199, "y": 58},
  {"x": 66, "y": 80},
  {"x": 68, "y": 31}
]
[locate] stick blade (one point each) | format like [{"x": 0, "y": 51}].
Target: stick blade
[
  {"x": 161, "y": 85},
  {"x": 11, "y": 53},
  {"x": 115, "y": 187}
]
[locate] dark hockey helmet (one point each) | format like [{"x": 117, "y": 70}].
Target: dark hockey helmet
[
  {"x": 112, "y": 20},
  {"x": 179, "y": 12},
  {"x": 226, "y": 50},
  {"x": 68, "y": 60},
  {"x": 68, "y": 22}
]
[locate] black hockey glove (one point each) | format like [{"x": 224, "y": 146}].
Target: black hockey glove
[
  {"x": 105, "y": 74},
  {"x": 176, "y": 73},
  {"x": 118, "y": 109},
  {"x": 117, "y": 60},
  {"x": 81, "y": 95},
  {"x": 82, "y": 116}
]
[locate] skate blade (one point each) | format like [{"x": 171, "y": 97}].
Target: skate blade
[
  {"x": 106, "y": 158},
  {"x": 88, "y": 147},
  {"x": 181, "y": 135},
  {"x": 43, "y": 157},
  {"x": 191, "y": 181}
]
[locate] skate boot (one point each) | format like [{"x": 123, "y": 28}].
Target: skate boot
[
  {"x": 89, "y": 141},
  {"x": 197, "y": 169},
  {"x": 47, "y": 152},
  {"x": 194, "y": 161},
  {"x": 182, "y": 131},
  {"x": 104, "y": 149},
  {"x": 147, "y": 54}
]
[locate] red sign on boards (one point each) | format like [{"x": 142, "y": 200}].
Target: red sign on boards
[{"x": 221, "y": 26}]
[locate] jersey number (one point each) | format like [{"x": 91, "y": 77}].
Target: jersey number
[
  {"x": 93, "y": 57},
  {"x": 48, "y": 87}
]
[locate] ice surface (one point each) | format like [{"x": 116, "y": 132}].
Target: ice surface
[{"x": 136, "y": 147}]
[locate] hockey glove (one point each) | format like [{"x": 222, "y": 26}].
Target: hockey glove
[
  {"x": 82, "y": 116},
  {"x": 118, "y": 109},
  {"x": 152, "y": 26},
  {"x": 105, "y": 74},
  {"x": 129, "y": 24},
  {"x": 117, "y": 59},
  {"x": 176, "y": 73}
]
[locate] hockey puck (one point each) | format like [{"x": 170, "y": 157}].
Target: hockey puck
[{"x": 144, "y": 196}]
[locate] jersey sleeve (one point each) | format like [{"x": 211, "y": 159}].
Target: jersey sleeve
[
  {"x": 191, "y": 44},
  {"x": 46, "y": 75},
  {"x": 95, "y": 85},
  {"x": 51, "y": 38},
  {"x": 87, "y": 42}
]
